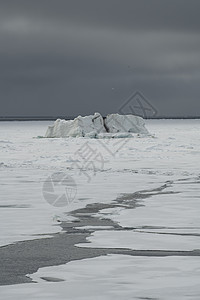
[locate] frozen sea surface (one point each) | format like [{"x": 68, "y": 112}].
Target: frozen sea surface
[{"x": 164, "y": 219}]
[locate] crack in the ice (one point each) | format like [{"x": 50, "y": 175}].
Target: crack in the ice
[{"x": 27, "y": 257}]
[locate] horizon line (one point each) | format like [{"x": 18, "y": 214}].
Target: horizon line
[{"x": 52, "y": 118}]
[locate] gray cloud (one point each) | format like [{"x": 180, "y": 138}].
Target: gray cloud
[{"x": 76, "y": 57}]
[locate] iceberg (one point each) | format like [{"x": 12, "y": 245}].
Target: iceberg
[
  {"x": 79, "y": 127},
  {"x": 125, "y": 123},
  {"x": 95, "y": 126}
]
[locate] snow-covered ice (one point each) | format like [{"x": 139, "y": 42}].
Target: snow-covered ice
[
  {"x": 164, "y": 220},
  {"x": 114, "y": 277}
]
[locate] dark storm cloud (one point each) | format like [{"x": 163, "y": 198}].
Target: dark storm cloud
[
  {"x": 126, "y": 14},
  {"x": 71, "y": 57}
]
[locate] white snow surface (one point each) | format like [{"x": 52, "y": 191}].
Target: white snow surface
[
  {"x": 169, "y": 220},
  {"x": 114, "y": 277},
  {"x": 94, "y": 126}
]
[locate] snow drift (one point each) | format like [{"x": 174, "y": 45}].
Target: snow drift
[{"x": 95, "y": 126}]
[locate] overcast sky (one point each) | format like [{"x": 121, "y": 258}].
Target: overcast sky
[{"x": 71, "y": 57}]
